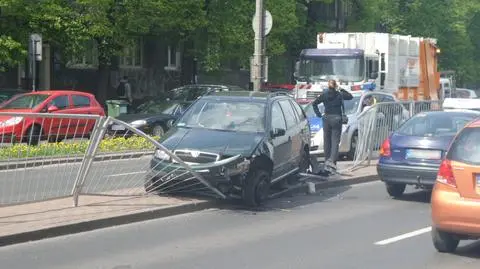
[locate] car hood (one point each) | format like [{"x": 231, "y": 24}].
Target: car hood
[
  {"x": 5, "y": 117},
  {"x": 133, "y": 117},
  {"x": 223, "y": 143}
]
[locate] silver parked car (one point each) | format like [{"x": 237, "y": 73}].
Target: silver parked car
[{"x": 354, "y": 109}]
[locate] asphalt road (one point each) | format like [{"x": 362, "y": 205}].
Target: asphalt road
[
  {"x": 339, "y": 228},
  {"x": 44, "y": 182}
]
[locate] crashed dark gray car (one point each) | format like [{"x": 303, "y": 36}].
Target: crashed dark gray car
[{"x": 240, "y": 142}]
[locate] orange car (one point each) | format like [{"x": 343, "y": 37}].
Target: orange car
[{"x": 456, "y": 195}]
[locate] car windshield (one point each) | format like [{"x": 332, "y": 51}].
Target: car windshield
[
  {"x": 436, "y": 124},
  {"x": 28, "y": 101},
  {"x": 154, "y": 107},
  {"x": 351, "y": 107},
  {"x": 225, "y": 115},
  {"x": 323, "y": 68},
  {"x": 466, "y": 148}
]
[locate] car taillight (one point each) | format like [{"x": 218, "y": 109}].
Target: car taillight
[
  {"x": 385, "y": 149},
  {"x": 445, "y": 174}
]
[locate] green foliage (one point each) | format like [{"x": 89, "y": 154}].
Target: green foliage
[
  {"x": 221, "y": 31},
  {"x": 78, "y": 148}
]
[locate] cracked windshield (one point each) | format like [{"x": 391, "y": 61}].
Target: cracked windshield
[
  {"x": 235, "y": 116},
  {"x": 152, "y": 134}
]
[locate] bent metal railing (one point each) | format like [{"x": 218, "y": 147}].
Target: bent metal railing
[
  {"x": 72, "y": 155},
  {"x": 378, "y": 122}
]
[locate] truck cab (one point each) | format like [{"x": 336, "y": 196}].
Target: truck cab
[
  {"x": 351, "y": 68},
  {"x": 387, "y": 62}
]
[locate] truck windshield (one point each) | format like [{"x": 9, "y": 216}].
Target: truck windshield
[{"x": 342, "y": 68}]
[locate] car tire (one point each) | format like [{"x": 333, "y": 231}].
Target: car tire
[
  {"x": 353, "y": 147},
  {"x": 444, "y": 242},
  {"x": 304, "y": 164},
  {"x": 256, "y": 187},
  {"x": 33, "y": 135},
  {"x": 158, "y": 131},
  {"x": 395, "y": 190}
]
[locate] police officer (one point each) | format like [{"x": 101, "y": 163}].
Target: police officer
[{"x": 332, "y": 99}]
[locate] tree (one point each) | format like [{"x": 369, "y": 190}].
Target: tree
[{"x": 53, "y": 19}]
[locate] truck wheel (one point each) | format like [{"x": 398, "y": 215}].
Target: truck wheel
[
  {"x": 444, "y": 242},
  {"x": 395, "y": 190},
  {"x": 256, "y": 187}
]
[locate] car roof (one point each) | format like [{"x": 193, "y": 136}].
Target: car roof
[
  {"x": 208, "y": 86},
  {"x": 252, "y": 95},
  {"x": 54, "y": 92},
  {"x": 450, "y": 112}
]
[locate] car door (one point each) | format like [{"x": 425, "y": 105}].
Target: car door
[
  {"x": 58, "y": 126},
  {"x": 292, "y": 133},
  {"x": 81, "y": 104},
  {"x": 281, "y": 144},
  {"x": 303, "y": 128}
]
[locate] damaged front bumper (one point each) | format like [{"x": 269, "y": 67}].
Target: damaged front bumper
[{"x": 223, "y": 176}]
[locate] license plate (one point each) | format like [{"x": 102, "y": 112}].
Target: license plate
[
  {"x": 423, "y": 154},
  {"x": 118, "y": 128}
]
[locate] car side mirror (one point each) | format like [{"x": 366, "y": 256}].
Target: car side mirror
[
  {"x": 52, "y": 108},
  {"x": 277, "y": 132},
  {"x": 374, "y": 75}
]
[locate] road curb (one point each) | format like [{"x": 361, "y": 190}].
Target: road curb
[
  {"x": 319, "y": 185},
  {"x": 106, "y": 222},
  {"x": 21, "y": 164}
]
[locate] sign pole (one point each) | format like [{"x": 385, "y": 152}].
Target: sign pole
[
  {"x": 258, "y": 53},
  {"x": 35, "y": 48}
]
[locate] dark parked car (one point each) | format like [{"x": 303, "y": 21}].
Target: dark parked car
[
  {"x": 266, "y": 136},
  {"x": 194, "y": 91},
  {"x": 413, "y": 153},
  {"x": 154, "y": 118},
  {"x": 6, "y": 94}
]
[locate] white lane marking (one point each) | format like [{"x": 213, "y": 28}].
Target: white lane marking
[
  {"x": 126, "y": 174},
  {"x": 403, "y": 236}
]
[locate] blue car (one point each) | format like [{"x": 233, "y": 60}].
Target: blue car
[{"x": 413, "y": 153}]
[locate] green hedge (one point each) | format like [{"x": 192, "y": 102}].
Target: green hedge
[{"x": 75, "y": 148}]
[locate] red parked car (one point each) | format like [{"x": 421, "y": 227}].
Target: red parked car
[{"x": 33, "y": 129}]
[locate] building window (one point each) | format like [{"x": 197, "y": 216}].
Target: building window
[
  {"x": 133, "y": 55},
  {"x": 174, "y": 58},
  {"x": 88, "y": 58}
]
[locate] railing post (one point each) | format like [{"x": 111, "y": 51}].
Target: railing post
[
  {"x": 411, "y": 108},
  {"x": 95, "y": 139},
  {"x": 369, "y": 139}
]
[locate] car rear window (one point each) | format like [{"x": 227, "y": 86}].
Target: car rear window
[
  {"x": 435, "y": 124},
  {"x": 466, "y": 147}
]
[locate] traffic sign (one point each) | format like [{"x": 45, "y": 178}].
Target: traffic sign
[
  {"x": 36, "y": 46},
  {"x": 268, "y": 23}
]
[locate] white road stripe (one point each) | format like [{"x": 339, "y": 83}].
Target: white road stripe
[
  {"x": 403, "y": 236},
  {"x": 126, "y": 174}
]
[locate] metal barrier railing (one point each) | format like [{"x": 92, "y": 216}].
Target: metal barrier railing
[
  {"x": 377, "y": 122},
  {"x": 46, "y": 156}
]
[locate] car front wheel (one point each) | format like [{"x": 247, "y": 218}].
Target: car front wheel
[
  {"x": 444, "y": 242},
  {"x": 256, "y": 187},
  {"x": 158, "y": 131}
]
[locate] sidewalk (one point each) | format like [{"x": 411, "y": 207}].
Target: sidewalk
[{"x": 35, "y": 221}]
